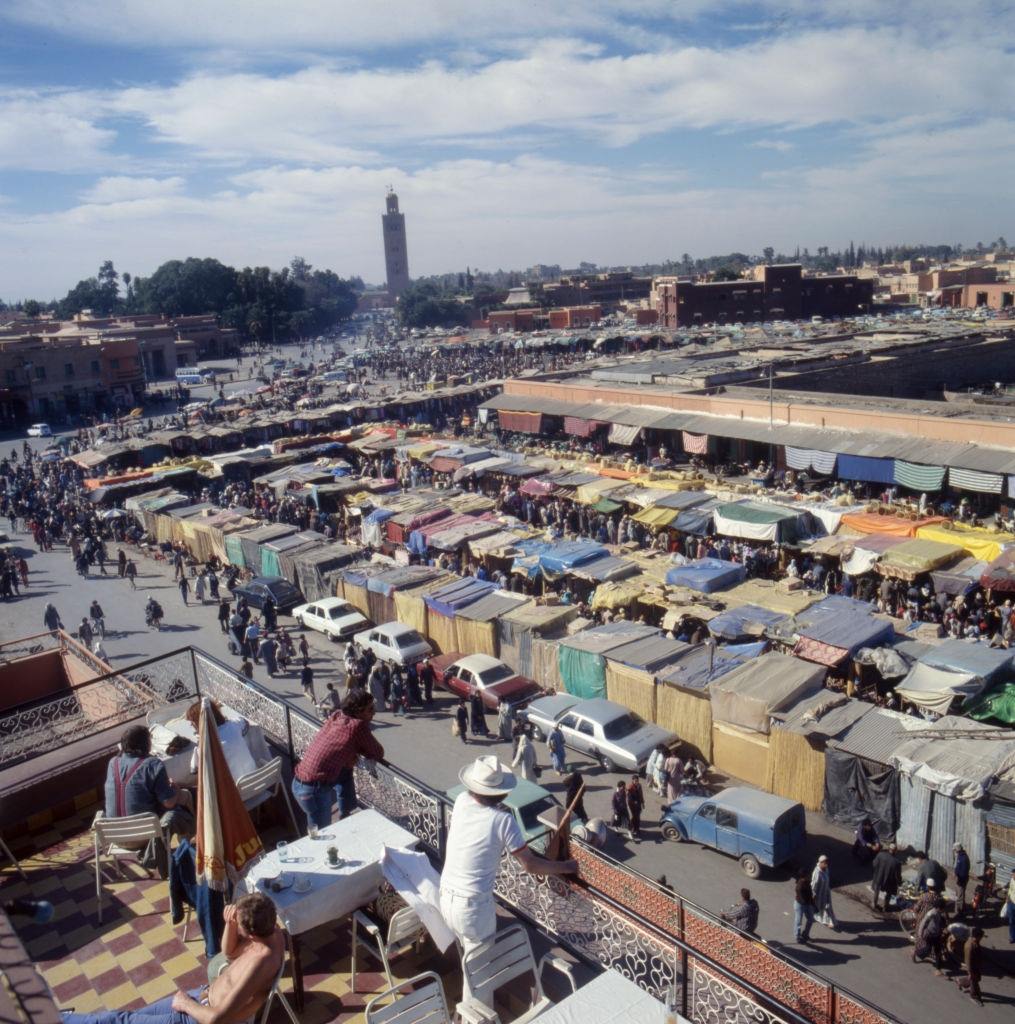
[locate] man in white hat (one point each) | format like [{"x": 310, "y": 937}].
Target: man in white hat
[{"x": 481, "y": 830}]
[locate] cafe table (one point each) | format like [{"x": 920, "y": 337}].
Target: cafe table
[
  {"x": 318, "y": 893},
  {"x": 609, "y": 998}
]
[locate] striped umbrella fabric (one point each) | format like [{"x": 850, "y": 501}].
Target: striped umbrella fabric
[
  {"x": 227, "y": 841},
  {"x": 972, "y": 480},
  {"x": 918, "y": 477}
]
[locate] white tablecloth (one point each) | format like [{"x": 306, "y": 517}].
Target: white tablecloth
[
  {"x": 334, "y": 892},
  {"x": 178, "y": 765},
  {"x": 608, "y": 999}
]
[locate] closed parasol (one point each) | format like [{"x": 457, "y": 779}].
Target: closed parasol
[{"x": 227, "y": 841}]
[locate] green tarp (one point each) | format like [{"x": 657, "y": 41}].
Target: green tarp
[
  {"x": 605, "y": 506},
  {"x": 269, "y": 562},
  {"x": 997, "y": 705},
  {"x": 583, "y": 672},
  {"x": 234, "y": 550},
  {"x": 918, "y": 477}
]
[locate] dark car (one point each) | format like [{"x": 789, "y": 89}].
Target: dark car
[{"x": 284, "y": 594}]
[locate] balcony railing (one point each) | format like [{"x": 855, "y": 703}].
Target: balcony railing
[{"x": 613, "y": 917}]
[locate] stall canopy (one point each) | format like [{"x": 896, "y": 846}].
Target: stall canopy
[
  {"x": 918, "y": 477},
  {"x": 756, "y": 521},
  {"x": 536, "y": 486},
  {"x": 959, "y": 578},
  {"x": 448, "y": 599},
  {"x": 868, "y": 550},
  {"x": 747, "y": 621},
  {"x": 577, "y": 427},
  {"x": 521, "y": 422},
  {"x": 622, "y": 433},
  {"x": 696, "y": 520},
  {"x": 580, "y": 660},
  {"x": 897, "y": 526},
  {"x": 936, "y": 689},
  {"x": 836, "y": 627},
  {"x": 867, "y": 469},
  {"x": 972, "y": 480},
  {"x": 808, "y": 458},
  {"x": 1000, "y": 574},
  {"x": 747, "y": 696},
  {"x": 697, "y": 666},
  {"x": 976, "y": 657},
  {"x": 567, "y": 555},
  {"x": 995, "y": 705},
  {"x": 979, "y": 543},
  {"x": 681, "y": 500},
  {"x": 652, "y": 654},
  {"x": 706, "y": 575},
  {"x": 604, "y": 569},
  {"x": 911, "y": 558}
]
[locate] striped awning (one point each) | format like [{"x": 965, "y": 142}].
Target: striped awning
[
  {"x": 522, "y": 422},
  {"x": 809, "y": 458},
  {"x": 578, "y": 427},
  {"x": 695, "y": 444},
  {"x": 973, "y": 480},
  {"x": 918, "y": 477},
  {"x": 623, "y": 433}
]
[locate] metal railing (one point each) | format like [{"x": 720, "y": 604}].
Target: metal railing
[{"x": 613, "y": 917}]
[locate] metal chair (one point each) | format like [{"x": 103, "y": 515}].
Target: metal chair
[
  {"x": 503, "y": 959},
  {"x": 423, "y": 1005},
  {"x": 123, "y": 837},
  {"x": 6, "y": 851},
  {"x": 405, "y": 931},
  {"x": 276, "y": 991},
  {"x": 258, "y": 786}
]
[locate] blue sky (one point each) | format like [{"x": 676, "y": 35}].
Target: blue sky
[{"x": 618, "y": 132}]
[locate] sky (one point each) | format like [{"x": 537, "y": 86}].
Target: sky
[{"x": 533, "y": 131}]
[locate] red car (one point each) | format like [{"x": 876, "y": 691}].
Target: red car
[{"x": 463, "y": 675}]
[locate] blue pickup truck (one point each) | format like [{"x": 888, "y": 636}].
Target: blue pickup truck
[{"x": 758, "y": 828}]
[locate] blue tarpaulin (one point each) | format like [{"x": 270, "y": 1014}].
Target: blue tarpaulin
[
  {"x": 844, "y": 623},
  {"x": 706, "y": 575},
  {"x": 992, "y": 664},
  {"x": 527, "y": 562},
  {"x": 698, "y": 666},
  {"x": 567, "y": 554},
  {"x": 864, "y": 467},
  {"x": 445, "y": 600},
  {"x": 697, "y": 520},
  {"x": 746, "y": 621}
]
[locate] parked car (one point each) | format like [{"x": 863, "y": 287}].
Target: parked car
[
  {"x": 391, "y": 641},
  {"x": 256, "y": 591},
  {"x": 463, "y": 675},
  {"x": 759, "y": 828},
  {"x": 606, "y": 731},
  {"x": 335, "y": 618},
  {"x": 40, "y": 430},
  {"x": 528, "y": 802}
]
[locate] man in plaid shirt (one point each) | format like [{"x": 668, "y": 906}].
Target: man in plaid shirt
[{"x": 326, "y": 771}]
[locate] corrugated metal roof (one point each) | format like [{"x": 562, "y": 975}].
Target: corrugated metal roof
[
  {"x": 491, "y": 606},
  {"x": 600, "y": 639},
  {"x": 651, "y": 653},
  {"x": 824, "y": 713},
  {"x": 876, "y": 735}
]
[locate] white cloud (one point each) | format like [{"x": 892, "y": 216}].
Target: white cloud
[
  {"x": 52, "y": 131},
  {"x": 779, "y": 145},
  {"x": 121, "y": 189}
]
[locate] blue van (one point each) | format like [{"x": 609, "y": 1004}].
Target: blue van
[{"x": 758, "y": 828}]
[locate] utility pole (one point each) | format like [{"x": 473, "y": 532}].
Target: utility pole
[{"x": 771, "y": 395}]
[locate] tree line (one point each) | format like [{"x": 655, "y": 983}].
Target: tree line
[{"x": 261, "y": 303}]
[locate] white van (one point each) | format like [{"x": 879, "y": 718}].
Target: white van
[{"x": 187, "y": 375}]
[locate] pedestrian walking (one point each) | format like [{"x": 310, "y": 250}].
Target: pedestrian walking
[
  {"x": 505, "y": 720},
  {"x": 461, "y": 722},
  {"x": 121, "y": 563},
  {"x": 131, "y": 573},
  {"x": 887, "y": 876},
  {"x": 930, "y": 934},
  {"x": 621, "y": 815},
  {"x": 178, "y": 566},
  {"x": 213, "y": 585},
  {"x": 635, "y": 805},
  {"x": 572, "y": 787},
  {"x": 269, "y": 614},
  {"x": 972, "y": 965},
  {"x": 98, "y": 618},
  {"x": 268, "y": 650},
  {"x": 375, "y": 683},
  {"x": 199, "y": 588},
  {"x": 821, "y": 886},
  {"x": 426, "y": 680},
  {"x": 961, "y": 870},
  {"x": 184, "y": 588},
  {"x": 525, "y": 757},
  {"x": 744, "y": 915},
  {"x": 803, "y": 907},
  {"x": 224, "y": 615},
  {"x": 85, "y": 634},
  {"x": 304, "y": 649},
  {"x": 252, "y": 639},
  {"x": 555, "y": 743},
  {"x": 673, "y": 768},
  {"x": 477, "y": 716},
  {"x": 307, "y": 682},
  {"x": 247, "y": 668},
  {"x": 330, "y": 702}
]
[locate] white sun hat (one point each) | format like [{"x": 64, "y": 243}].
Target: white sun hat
[{"x": 487, "y": 777}]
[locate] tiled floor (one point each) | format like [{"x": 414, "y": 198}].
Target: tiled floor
[{"x": 135, "y": 955}]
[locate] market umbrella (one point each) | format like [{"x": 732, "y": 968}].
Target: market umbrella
[{"x": 227, "y": 841}]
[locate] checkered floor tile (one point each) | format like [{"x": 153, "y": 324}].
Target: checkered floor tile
[{"x": 136, "y": 956}]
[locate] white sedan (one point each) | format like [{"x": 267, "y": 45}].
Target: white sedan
[
  {"x": 40, "y": 430},
  {"x": 331, "y": 616}
]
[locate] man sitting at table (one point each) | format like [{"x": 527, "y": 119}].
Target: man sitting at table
[
  {"x": 254, "y": 947},
  {"x": 326, "y": 771},
  {"x": 137, "y": 782}
]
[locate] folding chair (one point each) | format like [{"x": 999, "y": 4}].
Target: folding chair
[
  {"x": 6, "y": 851},
  {"x": 276, "y": 991},
  {"x": 123, "y": 837},
  {"x": 500, "y": 961},
  {"x": 257, "y": 786},
  {"x": 423, "y": 1005},
  {"x": 405, "y": 931}
]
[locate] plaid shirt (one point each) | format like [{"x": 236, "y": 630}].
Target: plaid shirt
[{"x": 337, "y": 745}]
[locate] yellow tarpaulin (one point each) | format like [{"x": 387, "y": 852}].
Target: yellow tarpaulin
[
  {"x": 688, "y": 715},
  {"x": 620, "y": 594},
  {"x": 981, "y": 544},
  {"x": 632, "y": 688},
  {"x": 589, "y": 494},
  {"x": 424, "y": 448},
  {"x": 912, "y": 557},
  {"x": 655, "y": 516}
]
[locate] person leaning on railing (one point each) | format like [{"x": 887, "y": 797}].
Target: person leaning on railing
[{"x": 326, "y": 770}]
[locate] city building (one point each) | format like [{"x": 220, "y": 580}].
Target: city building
[
  {"x": 396, "y": 253},
  {"x": 574, "y": 316},
  {"x": 773, "y": 292},
  {"x": 607, "y": 290}
]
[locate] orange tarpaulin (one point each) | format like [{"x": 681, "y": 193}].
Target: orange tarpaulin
[
  {"x": 92, "y": 483},
  {"x": 895, "y": 526}
]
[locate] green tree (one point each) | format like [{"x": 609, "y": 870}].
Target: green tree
[
  {"x": 769, "y": 254},
  {"x": 31, "y": 307},
  {"x": 424, "y": 304},
  {"x": 726, "y": 274}
]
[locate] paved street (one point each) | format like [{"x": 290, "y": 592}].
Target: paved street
[{"x": 869, "y": 955}]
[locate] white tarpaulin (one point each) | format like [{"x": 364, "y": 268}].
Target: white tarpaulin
[
  {"x": 830, "y": 516},
  {"x": 808, "y": 458},
  {"x": 623, "y": 433},
  {"x": 936, "y": 688},
  {"x": 860, "y": 561},
  {"x": 748, "y": 531}
]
